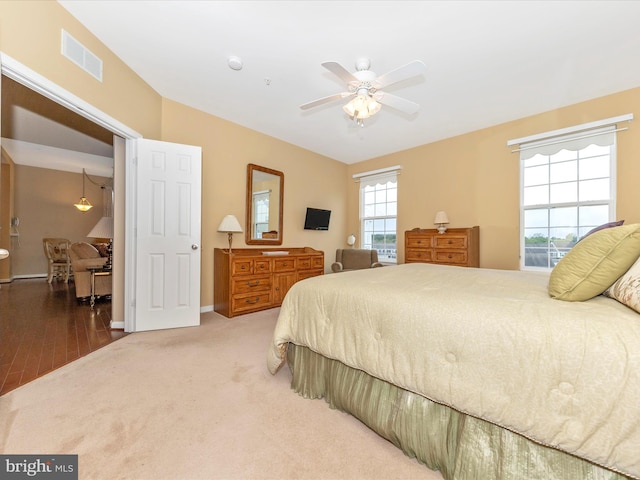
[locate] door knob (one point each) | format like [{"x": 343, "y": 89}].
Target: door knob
[{"x": 194, "y": 246}]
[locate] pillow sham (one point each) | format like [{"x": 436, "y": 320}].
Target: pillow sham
[
  {"x": 595, "y": 263},
  {"x": 602, "y": 227},
  {"x": 626, "y": 289}
]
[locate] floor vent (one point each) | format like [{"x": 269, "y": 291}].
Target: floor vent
[{"x": 81, "y": 56}]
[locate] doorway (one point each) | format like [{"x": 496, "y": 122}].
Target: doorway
[{"x": 137, "y": 161}]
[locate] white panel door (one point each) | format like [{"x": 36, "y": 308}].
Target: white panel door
[{"x": 168, "y": 235}]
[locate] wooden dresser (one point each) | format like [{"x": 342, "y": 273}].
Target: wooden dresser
[
  {"x": 457, "y": 246},
  {"x": 252, "y": 279}
]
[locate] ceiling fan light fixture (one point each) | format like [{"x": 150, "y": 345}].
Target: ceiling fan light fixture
[{"x": 361, "y": 107}]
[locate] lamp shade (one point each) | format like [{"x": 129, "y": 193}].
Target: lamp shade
[
  {"x": 441, "y": 217},
  {"x": 102, "y": 229},
  {"x": 230, "y": 224},
  {"x": 351, "y": 240}
]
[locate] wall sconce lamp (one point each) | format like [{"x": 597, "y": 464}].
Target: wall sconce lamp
[
  {"x": 351, "y": 240},
  {"x": 230, "y": 225},
  {"x": 83, "y": 205},
  {"x": 441, "y": 220}
]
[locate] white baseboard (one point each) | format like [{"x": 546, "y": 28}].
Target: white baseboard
[
  {"x": 116, "y": 325},
  {"x": 206, "y": 308}
]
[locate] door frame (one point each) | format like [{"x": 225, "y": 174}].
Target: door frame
[{"x": 36, "y": 82}]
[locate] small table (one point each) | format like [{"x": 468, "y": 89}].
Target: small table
[{"x": 96, "y": 272}]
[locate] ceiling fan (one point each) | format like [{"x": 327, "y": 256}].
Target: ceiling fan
[{"x": 365, "y": 89}]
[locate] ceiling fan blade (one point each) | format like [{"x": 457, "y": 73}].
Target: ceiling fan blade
[
  {"x": 341, "y": 72},
  {"x": 409, "y": 70},
  {"x": 324, "y": 100},
  {"x": 405, "y": 106}
]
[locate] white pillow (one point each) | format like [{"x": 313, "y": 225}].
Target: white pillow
[{"x": 627, "y": 288}]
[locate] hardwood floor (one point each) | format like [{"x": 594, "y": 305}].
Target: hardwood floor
[{"x": 42, "y": 327}]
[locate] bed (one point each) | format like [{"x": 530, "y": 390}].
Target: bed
[{"x": 478, "y": 373}]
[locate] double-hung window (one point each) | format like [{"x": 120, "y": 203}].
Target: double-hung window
[
  {"x": 567, "y": 187},
  {"x": 379, "y": 211},
  {"x": 260, "y": 212}
]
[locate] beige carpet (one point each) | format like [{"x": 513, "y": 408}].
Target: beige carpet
[{"x": 193, "y": 403}]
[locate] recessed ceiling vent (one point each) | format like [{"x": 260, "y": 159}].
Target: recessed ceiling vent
[{"x": 81, "y": 56}]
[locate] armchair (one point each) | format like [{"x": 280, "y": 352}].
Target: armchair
[
  {"x": 355, "y": 259},
  {"x": 85, "y": 255}
]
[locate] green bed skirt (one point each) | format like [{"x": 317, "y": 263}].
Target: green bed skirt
[{"x": 461, "y": 447}]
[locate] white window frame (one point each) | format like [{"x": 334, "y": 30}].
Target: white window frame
[
  {"x": 371, "y": 179},
  {"x": 260, "y": 217},
  {"x": 573, "y": 139}
]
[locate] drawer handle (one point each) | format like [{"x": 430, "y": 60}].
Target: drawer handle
[
  {"x": 449, "y": 242},
  {"x": 250, "y": 302},
  {"x": 243, "y": 267},
  {"x": 253, "y": 284},
  {"x": 449, "y": 256}
]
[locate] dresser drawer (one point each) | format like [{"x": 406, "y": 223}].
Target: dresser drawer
[
  {"x": 415, "y": 255},
  {"x": 284, "y": 265},
  {"x": 242, "y": 266},
  {"x": 261, "y": 266},
  {"x": 419, "y": 241},
  {"x": 317, "y": 261},
  {"x": 451, "y": 257},
  {"x": 304, "y": 263},
  {"x": 250, "y": 301},
  {"x": 450, "y": 241},
  {"x": 255, "y": 283}
]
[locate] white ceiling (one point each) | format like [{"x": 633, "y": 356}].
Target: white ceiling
[{"x": 488, "y": 62}]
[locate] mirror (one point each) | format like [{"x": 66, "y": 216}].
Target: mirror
[{"x": 265, "y": 189}]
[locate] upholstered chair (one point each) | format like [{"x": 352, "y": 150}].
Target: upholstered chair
[
  {"x": 355, "y": 259},
  {"x": 58, "y": 262}
]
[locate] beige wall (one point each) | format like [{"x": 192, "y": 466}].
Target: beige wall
[
  {"x": 310, "y": 180},
  {"x": 44, "y": 204},
  {"x": 30, "y": 32},
  {"x": 475, "y": 177}
]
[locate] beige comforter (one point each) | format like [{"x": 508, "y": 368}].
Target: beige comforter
[{"x": 490, "y": 343}]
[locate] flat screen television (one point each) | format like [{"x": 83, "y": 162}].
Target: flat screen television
[{"x": 317, "y": 219}]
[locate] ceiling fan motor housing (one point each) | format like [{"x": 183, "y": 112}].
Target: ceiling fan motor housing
[{"x": 365, "y": 82}]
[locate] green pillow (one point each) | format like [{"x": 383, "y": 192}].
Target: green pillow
[{"x": 595, "y": 263}]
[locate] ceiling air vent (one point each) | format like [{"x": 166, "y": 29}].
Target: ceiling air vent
[{"x": 81, "y": 56}]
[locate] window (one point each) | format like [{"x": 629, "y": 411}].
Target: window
[
  {"x": 567, "y": 187},
  {"x": 261, "y": 212},
  {"x": 378, "y": 212}
]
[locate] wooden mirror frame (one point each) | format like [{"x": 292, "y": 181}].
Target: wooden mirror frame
[{"x": 249, "y": 240}]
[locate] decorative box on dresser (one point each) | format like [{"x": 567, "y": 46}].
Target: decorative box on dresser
[
  {"x": 251, "y": 279},
  {"x": 456, "y": 246}
]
